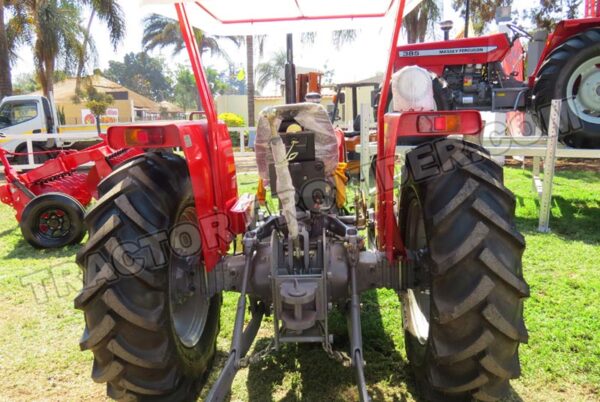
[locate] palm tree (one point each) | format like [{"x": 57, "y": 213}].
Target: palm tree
[
  {"x": 161, "y": 32},
  {"x": 250, "y": 40},
  {"x": 272, "y": 71},
  {"x": 109, "y": 12},
  {"x": 339, "y": 38},
  {"x": 5, "y": 73},
  {"x": 11, "y": 36},
  {"x": 52, "y": 28},
  {"x": 250, "y": 79},
  {"x": 419, "y": 20}
]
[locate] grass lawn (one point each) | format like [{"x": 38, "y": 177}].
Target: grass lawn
[{"x": 39, "y": 329}]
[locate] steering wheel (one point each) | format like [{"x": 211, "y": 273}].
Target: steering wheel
[{"x": 518, "y": 31}]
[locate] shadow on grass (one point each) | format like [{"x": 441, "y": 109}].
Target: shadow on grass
[
  {"x": 24, "y": 251},
  {"x": 512, "y": 397},
  {"x": 583, "y": 176},
  {"x": 579, "y": 221},
  {"x": 305, "y": 373}
]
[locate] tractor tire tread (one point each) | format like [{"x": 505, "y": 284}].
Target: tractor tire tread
[
  {"x": 124, "y": 303},
  {"x": 478, "y": 288}
]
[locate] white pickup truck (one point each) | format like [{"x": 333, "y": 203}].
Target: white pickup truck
[{"x": 31, "y": 114}]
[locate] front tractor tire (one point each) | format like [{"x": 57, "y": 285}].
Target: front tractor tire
[
  {"x": 152, "y": 333},
  {"x": 464, "y": 286},
  {"x": 572, "y": 73}
]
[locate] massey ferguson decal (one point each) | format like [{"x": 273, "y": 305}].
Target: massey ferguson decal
[{"x": 450, "y": 51}]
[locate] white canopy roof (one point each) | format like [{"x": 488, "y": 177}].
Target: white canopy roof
[{"x": 242, "y": 17}]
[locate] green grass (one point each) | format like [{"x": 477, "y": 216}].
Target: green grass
[{"x": 40, "y": 357}]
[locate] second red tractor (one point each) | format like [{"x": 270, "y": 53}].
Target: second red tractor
[{"x": 563, "y": 65}]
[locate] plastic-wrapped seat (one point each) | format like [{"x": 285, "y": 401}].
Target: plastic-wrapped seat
[
  {"x": 311, "y": 118},
  {"x": 412, "y": 89}
]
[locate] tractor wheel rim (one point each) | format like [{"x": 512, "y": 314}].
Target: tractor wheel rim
[
  {"x": 417, "y": 300},
  {"x": 53, "y": 224},
  {"x": 188, "y": 301},
  {"x": 583, "y": 91}
]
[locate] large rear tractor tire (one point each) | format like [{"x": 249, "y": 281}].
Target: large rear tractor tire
[
  {"x": 463, "y": 304},
  {"x": 572, "y": 73},
  {"x": 150, "y": 328}
]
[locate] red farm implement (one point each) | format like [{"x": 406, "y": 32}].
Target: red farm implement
[
  {"x": 50, "y": 200},
  {"x": 158, "y": 256}
]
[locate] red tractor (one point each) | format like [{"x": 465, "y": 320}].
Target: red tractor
[
  {"x": 159, "y": 253},
  {"x": 566, "y": 65}
]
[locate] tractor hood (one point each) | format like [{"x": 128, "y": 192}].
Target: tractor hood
[{"x": 247, "y": 17}]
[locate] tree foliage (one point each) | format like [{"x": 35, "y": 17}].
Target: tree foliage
[
  {"x": 549, "y": 12},
  {"x": 5, "y": 73},
  {"x": 29, "y": 82},
  {"x": 162, "y": 32},
  {"x": 97, "y": 101},
  {"x": 143, "y": 74},
  {"x": 217, "y": 85},
  {"x": 420, "y": 20},
  {"x": 185, "y": 92},
  {"x": 53, "y": 29},
  {"x": 272, "y": 71},
  {"x": 339, "y": 37},
  {"x": 481, "y": 11},
  {"x": 110, "y": 13}
]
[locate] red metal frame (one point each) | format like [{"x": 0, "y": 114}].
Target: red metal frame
[
  {"x": 388, "y": 233},
  {"x": 59, "y": 175},
  {"x": 215, "y": 155},
  {"x": 592, "y": 8}
]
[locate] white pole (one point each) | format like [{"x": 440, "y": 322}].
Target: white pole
[
  {"x": 54, "y": 111},
  {"x": 549, "y": 165},
  {"x": 365, "y": 156}
]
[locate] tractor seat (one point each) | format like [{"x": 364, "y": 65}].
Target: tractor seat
[
  {"x": 355, "y": 128},
  {"x": 301, "y": 121}
]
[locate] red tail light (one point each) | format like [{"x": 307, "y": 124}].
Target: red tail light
[
  {"x": 150, "y": 136},
  {"x": 158, "y": 135},
  {"x": 465, "y": 122},
  {"x": 448, "y": 123}
]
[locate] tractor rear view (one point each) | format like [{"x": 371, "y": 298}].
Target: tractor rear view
[{"x": 157, "y": 259}]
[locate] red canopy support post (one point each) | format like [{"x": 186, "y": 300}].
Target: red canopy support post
[
  {"x": 592, "y": 8},
  {"x": 187, "y": 31},
  {"x": 387, "y": 227}
]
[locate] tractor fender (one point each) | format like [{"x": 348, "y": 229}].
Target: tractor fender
[
  {"x": 214, "y": 184},
  {"x": 563, "y": 31},
  {"x": 210, "y": 161}
]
